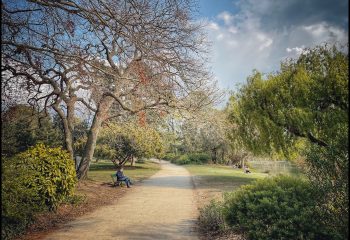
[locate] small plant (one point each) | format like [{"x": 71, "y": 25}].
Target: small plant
[{"x": 211, "y": 218}]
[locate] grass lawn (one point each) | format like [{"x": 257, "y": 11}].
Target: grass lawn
[
  {"x": 212, "y": 180},
  {"x": 102, "y": 171}
]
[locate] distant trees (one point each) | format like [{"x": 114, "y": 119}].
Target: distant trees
[
  {"x": 104, "y": 58},
  {"x": 204, "y": 132},
  {"x": 304, "y": 107},
  {"x": 23, "y": 127}
]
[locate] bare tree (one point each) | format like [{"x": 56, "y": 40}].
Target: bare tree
[{"x": 127, "y": 55}]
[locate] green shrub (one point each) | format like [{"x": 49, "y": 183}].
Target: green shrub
[
  {"x": 54, "y": 172},
  {"x": 35, "y": 180},
  {"x": 283, "y": 207},
  {"x": 170, "y": 156},
  {"x": 211, "y": 218},
  {"x": 19, "y": 202},
  {"x": 198, "y": 158},
  {"x": 182, "y": 160},
  {"x": 192, "y": 158}
]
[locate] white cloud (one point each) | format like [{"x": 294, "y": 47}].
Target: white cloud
[
  {"x": 241, "y": 43},
  {"x": 296, "y": 50},
  {"x": 264, "y": 41},
  {"x": 226, "y": 17},
  {"x": 213, "y": 26},
  {"x": 232, "y": 29}
]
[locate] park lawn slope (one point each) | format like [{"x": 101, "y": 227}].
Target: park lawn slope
[{"x": 212, "y": 180}]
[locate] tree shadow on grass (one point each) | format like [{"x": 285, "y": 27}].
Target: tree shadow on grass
[{"x": 112, "y": 167}]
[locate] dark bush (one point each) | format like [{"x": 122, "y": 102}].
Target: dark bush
[
  {"x": 198, "y": 158},
  {"x": 181, "y": 160},
  {"x": 283, "y": 207},
  {"x": 192, "y": 158},
  {"x": 18, "y": 203}
]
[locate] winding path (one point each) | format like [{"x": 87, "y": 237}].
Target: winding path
[{"x": 161, "y": 207}]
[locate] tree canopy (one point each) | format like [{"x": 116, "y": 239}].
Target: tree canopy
[{"x": 302, "y": 108}]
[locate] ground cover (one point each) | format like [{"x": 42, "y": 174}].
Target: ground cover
[{"x": 211, "y": 181}]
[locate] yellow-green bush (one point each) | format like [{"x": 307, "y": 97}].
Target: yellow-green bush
[
  {"x": 54, "y": 172},
  {"x": 37, "y": 179}
]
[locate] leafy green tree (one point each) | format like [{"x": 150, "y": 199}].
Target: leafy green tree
[
  {"x": 22, "y": 127},
  {"x": 302, "y": 108},
  {"x": 122, "y": 142}
]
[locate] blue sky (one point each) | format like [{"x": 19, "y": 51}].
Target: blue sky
[{"x": 259, "y": 34}]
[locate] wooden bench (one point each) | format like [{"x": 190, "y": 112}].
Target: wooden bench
[{"x": 116, "y": 182}]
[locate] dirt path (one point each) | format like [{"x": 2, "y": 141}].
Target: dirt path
[{"x": 162, "y": 207}]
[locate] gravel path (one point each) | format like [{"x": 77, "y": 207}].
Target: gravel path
[{"x": 161, "y": 207}]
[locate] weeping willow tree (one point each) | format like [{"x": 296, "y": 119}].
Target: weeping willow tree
[{"x": 302, "y": 108}]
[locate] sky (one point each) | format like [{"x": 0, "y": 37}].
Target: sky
[{"x": 259, "y": 34}]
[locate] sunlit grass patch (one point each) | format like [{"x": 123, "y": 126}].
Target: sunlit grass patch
[{"x": 212, "y": 180}]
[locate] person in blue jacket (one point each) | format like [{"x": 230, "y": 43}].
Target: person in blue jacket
[{"x": 121, "y": 177}]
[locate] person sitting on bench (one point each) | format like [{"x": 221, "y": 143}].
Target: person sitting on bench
[
  {"x": 246, "y": 169},
  {"x": 121, "y": 177}
]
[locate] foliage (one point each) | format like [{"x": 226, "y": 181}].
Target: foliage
[
  {"x": 32, "y": 181},
  {"x": 192, "y": 158},
  {"x": 276, "y": 208},
  {"x": 328, "y": 169},
  {"x": 80, "y": 132},
  {"x": 205, "y": 132},
  {"x": 302, "y": 110},
  {"x": 211, "y": 218},
  {"x": 22, "y": 127},
  {"x": 54, "y": 173},
  {"x": 170, "y": 156},
  {"x": 306, "y": 99},
  {"x": 121, "y": 140},
  {"x": 18, "y": 203}
]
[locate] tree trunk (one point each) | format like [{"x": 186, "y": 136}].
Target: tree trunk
[
  {"x": 68, "y": 130},
  {"x": 69, "y": 143},
  {"x": 214, "y": 155},
  {"x": 99, "y": 117},
  {"x": 132, "y": 161}
]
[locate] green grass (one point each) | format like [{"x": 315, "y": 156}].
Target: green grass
[
  {"x": 216, "y": 174},
  {"x": 102, "y": 171},
  {"x": 276, "y": 167},
  {"x": 212, "y": 180}
]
